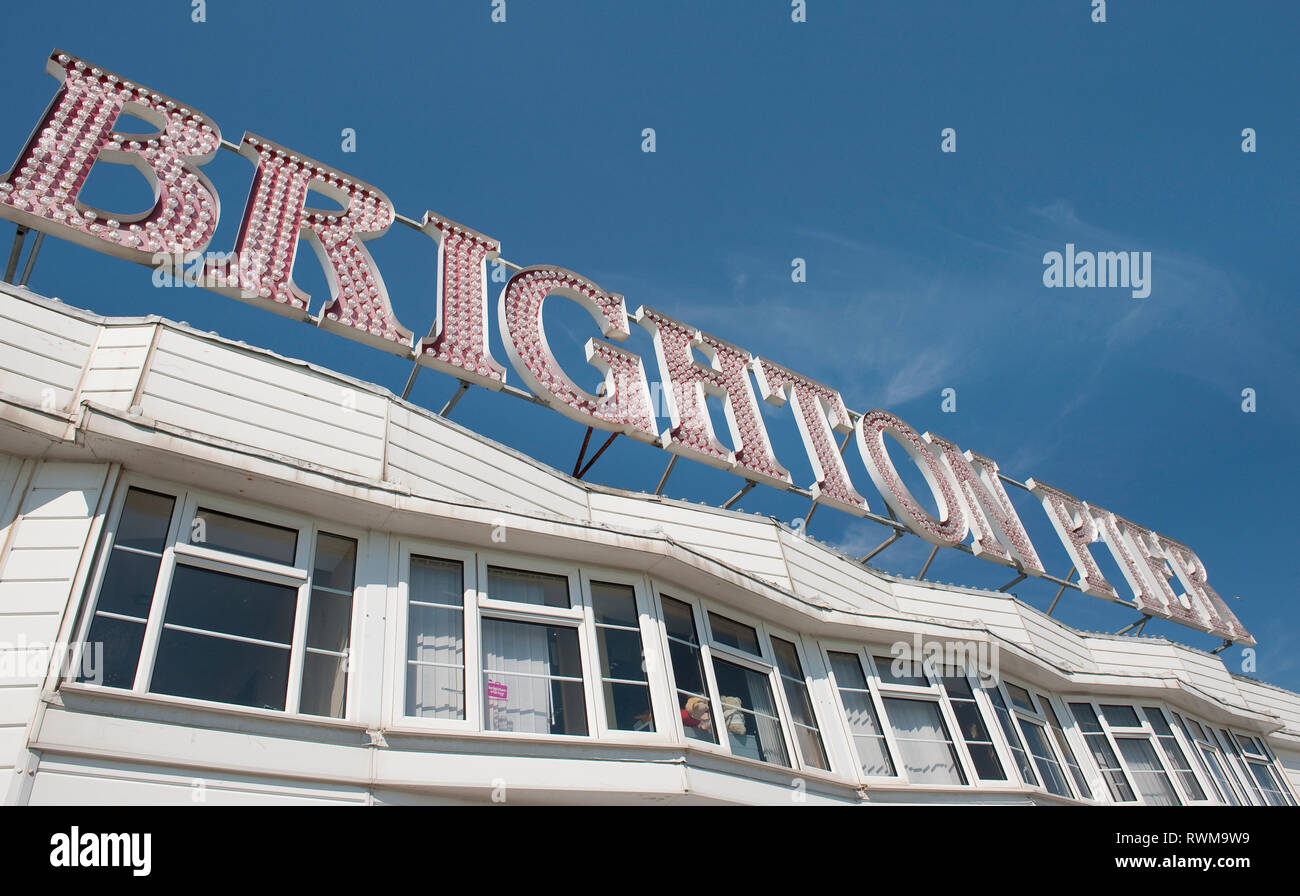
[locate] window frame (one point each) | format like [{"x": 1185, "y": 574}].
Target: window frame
[
  {"x": 406, "y": 549},
  {"x": 179, "y": 550},
  {"x": 810, "y": 686},
  {"x": 709, "y": 650},
  {"x": 1036, "y": 716},
  {"x": 1143, "y": 730},
  {"x": 574, "y": 617},
  {"x": 655, "y": 667}
]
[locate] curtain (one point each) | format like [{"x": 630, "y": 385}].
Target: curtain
[
  {"x": 1148, "y": 774},
  {"x": 516, "y": 676},
  {"x": 927, "y": 754},
  {"x": 436, "y": 635}
]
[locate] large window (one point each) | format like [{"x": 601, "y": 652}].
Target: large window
[
  {"x": 1139, "y": 750},
  {"x": 924, "y": 725},
  {"x": 726, "y": 686},
  {"x": 1033, "y": 725},
  {"x": 625, "y": 686},
  {"x": 1264, "y": 775},
  {"x": 198, "y": 598}
]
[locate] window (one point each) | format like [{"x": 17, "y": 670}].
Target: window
[
  {"x": 1263, "y": 773},
  {"x": 1135, "y": 741},
  {"x": 530, "y": 624},
  {"x": 741, "y": 712},
  {"x": 252, "y": 608},
  {"x": 864, "y": 723},
  {"x": 1033, "y": 725},
  {"x": 623, "y": 678},
  {"x": 435, "y": 638},
  {"x": 688, "y": 671},
  {"x": 1150, "y": 777},
  {"x": 532, "y": 678},
  {"x": 924, "y": 745},
  {"x": 1063, "y": 744},
  {"x": 972, "y": 729},
  {"x": 917, "y": 719},
  {"x": 1174, "y": 754},
  {"x": 1102, "y": 752},
  {"x": 808, "y": 736},
  {"x": 1018, "y": 753},
  {"x": 1211, "y": 760}
]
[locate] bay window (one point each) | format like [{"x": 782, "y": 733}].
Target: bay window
[{"x": 726, "y": 684}]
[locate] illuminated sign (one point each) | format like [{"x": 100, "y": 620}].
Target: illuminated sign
[{"x": 77, "y": 131}]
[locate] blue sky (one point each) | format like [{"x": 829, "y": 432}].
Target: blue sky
[{"x": 818, "y": 140}]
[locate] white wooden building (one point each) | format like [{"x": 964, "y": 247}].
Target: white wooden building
[{"x": 220, "y": 583}]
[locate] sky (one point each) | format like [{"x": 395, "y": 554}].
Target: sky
[{"x": 819, "y": 140}]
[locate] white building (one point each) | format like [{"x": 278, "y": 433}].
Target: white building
[{"x": 294, "y": 587}]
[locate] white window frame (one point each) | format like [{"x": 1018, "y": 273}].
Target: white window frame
[
  {"x": 574, "y": 617},
  {"x": 1198, "y": 770},
  {"x": 709, "y": 648},
  {"x": 1115, "y": 732},
  {"x": 1037, "y": 716},
  {"x": 178, "y": 550},
  {"x": 810, "y": 685},
  {"x": 407, "y": 548},
  {"x": 1078, "y": 745},
  {"x": 661, "y": 700}
]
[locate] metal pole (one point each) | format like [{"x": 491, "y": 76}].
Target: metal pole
[
  {"x": 577, "y": 464},
  {"x": 451, "y": 403},
  {"x": 749, "y": 483},
  {"x": 888, "y": 541},
  {"x": 595, "y": 457},
  {"x": 663, "y": 480},
  {"x": 20, "y": 237},
  {"x": 1141, "y": 621},
  {"x": 1016, "y": 581},
  {"x": 1060, "y": 591},
  {"x": 31, "y": 257},
  {"x": 924, "y": 569}
]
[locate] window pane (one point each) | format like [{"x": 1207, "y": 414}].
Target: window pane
[
  {"x": 688, "y": 671},
  {"x": 1148, "y": 774},
  {"x": 1174, "y": 753},
  {"x": 248, "y": 538},
  {"x": 336, "y": 562},
  {"x": 972, "y": 730},
  {"x": 1020, "y": 697},
  {"x": 614, "y": 604},
  {"x": 734, "y": 634},
  {"x": 533, "y": 678},
  {"x": 1121, "y": 716},
  {"x": 324, "y": 685},
  {"x": 897, "y": 670},
  {"x": 1047, "y": 765},
  {"x": 749, "y": 714},
  {"x": 1062, "y": 744},
  {"x": 796, "y": 694},
  {"x": 145, "y": 519},
  {"x": 1102, "y": 753},
  {"x": 926, "y": 751},
  {"x": 1018, "y": 754},
  {"x": 208, "y": 668},
  {"x": 618, "y": 639},
  {"x": 113, "y": 646},
  {"x": 128, "y": 584},
  {"x": 522, "y": 587},
  {"x": 435, "y": 639},
  {"x": 868, "y": 738},
  {"x": 329, "y": 621},
  {"x": 221, "y": 602}
]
